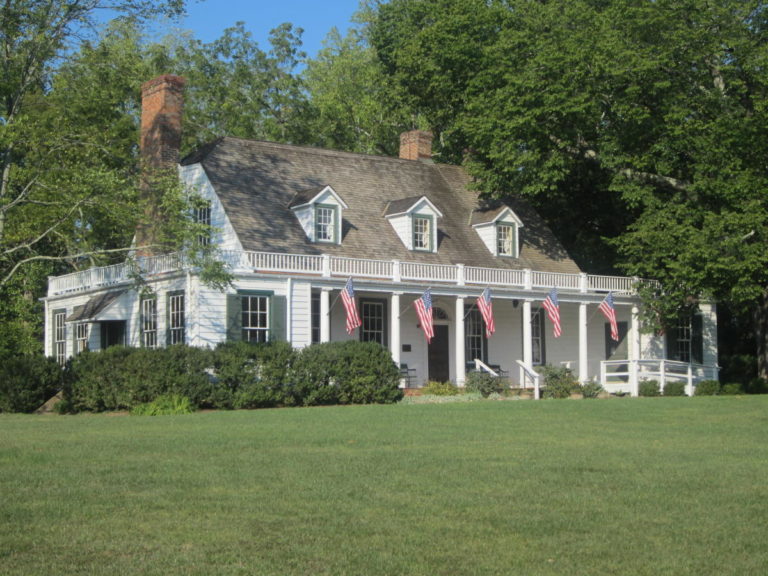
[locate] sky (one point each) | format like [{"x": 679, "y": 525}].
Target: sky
[{"x": 207, "y": 19}]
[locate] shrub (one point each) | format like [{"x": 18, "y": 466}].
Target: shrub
[
  {"x": 252, "y": 375},
  {"x": 345, "y": 373},
  {"x": 676, "y": 388},
  {"x": 757, "y": 386},
  {"x": 649, "y": 388},
  {"x": 440, "y": 389},
  {"x": 164, "y": 405},
  {"x": 558, "y": 381},
  {"x": 707, "y": 388},
  {"x": 591, "y": 389},
  {"x": 731, "y": 389},
  {"x": 26, "y": 382},
  {"x": 120, "y": 378},
  {"x": 484, "y": 383}
]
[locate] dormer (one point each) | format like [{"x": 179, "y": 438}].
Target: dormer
[
  {"x": 320, "y": 214},
  {"x": 499, "y": 229},
  {"x": 415, "y": 222}
]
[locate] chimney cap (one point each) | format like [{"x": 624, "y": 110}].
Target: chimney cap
[
  {"x": 416, "y": 145},
  {"x": 149, "y": 86}
]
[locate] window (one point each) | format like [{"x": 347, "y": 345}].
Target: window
[
  {"x": 373, "y": 314},
  {"x": 325, "y": 223},
  {"x": 176, "y": 327},
  {"x": 505, "y": 240},
  {"x": 81, "y": 337},
  {"x": 685, "y": 341},
  {"x": 537, "y": 338},
  {"x": 476, "y": 346},
  {"x": 616, "y": 350},
  {"x": 315, "y": 312},
  {"x": 60, "y": 336},
  {"x": 149, "y": 322},
  {"x": 422, "y": 233},
  {"x": 255, "y": 318},
  {"x": 202, "y": 216}
]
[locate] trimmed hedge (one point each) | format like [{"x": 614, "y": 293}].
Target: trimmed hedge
[
  {"x": 649, "y": 388},
  {"x": 484, "y": 383},
  {"x": 26, "y": 382},
  {"x": 558, "y": 381},
  {"x": 234, "y": 375},
  {"x": 675, "y": 388},
  {"x": 707, "y": 388}
]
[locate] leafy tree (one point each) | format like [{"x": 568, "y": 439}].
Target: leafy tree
[{"x": 652, "y": 111}]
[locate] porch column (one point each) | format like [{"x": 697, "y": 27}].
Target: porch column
[
  {"x": 634, "y": 352},
  {"x": 325, "y": 315},
  {"x": 460, "y": 368},
  {"x": 527, "y": 341},
  {"x": 394, "y": 339},
  {"x": 583, "y": 350}
]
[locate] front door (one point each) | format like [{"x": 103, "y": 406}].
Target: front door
[
  {"x": 112, "y": 333},
  {"x": 439, "y": 370}
]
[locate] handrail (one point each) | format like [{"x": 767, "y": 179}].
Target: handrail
[
  {"x": 338, "y": 266},
  {"x": 481, "y": 366},
  {"x": 664, "y": 370},
  {"x": 527, "y": 373}
]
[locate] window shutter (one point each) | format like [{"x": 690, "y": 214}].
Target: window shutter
[
  {"x": 697, "y": 339},
  {"x": 234, "y": 318},
  {"x": 168, "y": 319},
  {"x": 277, "y": 315},
  {"x": 672, "y": 343}
]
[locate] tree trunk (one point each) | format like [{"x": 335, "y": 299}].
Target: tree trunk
[{"x": 761, "y": 335}]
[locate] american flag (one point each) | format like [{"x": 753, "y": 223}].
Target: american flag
[
  {"x": 606, "y": 307},
  {"x": 348, "y": 297},
  {"x": 423, "y": 306},
  {"x": 553, "y": 311},
  {"x": 486, "y": 309}
]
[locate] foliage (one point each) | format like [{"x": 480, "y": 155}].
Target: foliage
[
  {"x": 345, "y": 373},
  {"x": 558, "y": 382},
  {"x": 757, "y": 386},
  {"x": 120, "y": 378},
  {"x": 591, "y": 389},
  {"x": 649, "y": 388},
  {"x": 26, "y": 382},
  {"x": 252, "y": 375},
  {"x": 731, "y": 389},
  {"x": 675, "y": 388},
  {"x": 164, "y": 405},
  {"x": 440, "y": 389},
  {"x": 707, "y": 388},
  {"x": 484, "y": 383}
]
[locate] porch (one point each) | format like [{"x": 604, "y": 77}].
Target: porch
[{"x": 523, "y": 338}]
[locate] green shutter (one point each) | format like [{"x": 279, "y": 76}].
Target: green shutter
[
  {"x": 234, "y": 318},
  {"x": 278, "y": 321},
  {"x": 697, "y": 339},
  {"x": 672, "y": 343}
]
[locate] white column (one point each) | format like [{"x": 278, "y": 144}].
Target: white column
[
  {"x": 460, "y": 368},
  {"x": 394, "y": 338},
  {"x": 527, "y": 342},
  {"x": 634, "y": 352},
  {"x": 583, "y": 349},
  {"x": 325, "y": 315}
]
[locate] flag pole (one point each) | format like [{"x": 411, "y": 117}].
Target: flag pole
[{"x": 404, "y": 310}]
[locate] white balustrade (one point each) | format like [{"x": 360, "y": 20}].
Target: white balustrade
[
  {"x": 362, "y": 268},
  {"x": 550, "y": 279},
  {"x": 494, "y": 276},
  {"x": 428, "y": 272}
]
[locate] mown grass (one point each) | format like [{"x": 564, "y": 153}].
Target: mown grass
[{"x": 643, "y": 486}]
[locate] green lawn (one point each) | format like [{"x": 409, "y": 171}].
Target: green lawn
[{"x": 624, "y": 486}]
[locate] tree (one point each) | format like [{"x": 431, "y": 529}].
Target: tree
[{"x": 659, "y": 106}]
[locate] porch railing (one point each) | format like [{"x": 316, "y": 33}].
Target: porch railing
[
  {"x": 338, "y": 266},
  {"x": 626, "y": 375},
  {"x": 529, "y": 375}
]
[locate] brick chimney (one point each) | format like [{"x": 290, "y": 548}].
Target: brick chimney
[
  {"x": 162, "y": 103},
  {"x": 416, "y": 145}
]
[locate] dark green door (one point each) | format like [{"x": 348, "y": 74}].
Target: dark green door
[{"x": 439, "y": 370}]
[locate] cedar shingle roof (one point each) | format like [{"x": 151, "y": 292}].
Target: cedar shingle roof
[{"x": 256, "y": 181}]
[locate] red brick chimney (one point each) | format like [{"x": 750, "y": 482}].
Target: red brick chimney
[
  {"x": 162, "y": 103},
  {"x": 416, "y": 145}
]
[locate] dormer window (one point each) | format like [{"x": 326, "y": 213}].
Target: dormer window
[
  {"x": 422, "y": 233},
  {"x": 413, "y": 220},
  {"x": 325, "y": 223},
  {"x": 499, "y": 229},
  {"x": 320, "y": 214},
  {"x": 505, "y": 239}
]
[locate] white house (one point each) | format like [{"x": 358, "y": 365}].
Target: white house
[{"x": 295, "y": 223}]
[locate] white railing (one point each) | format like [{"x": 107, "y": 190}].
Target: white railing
[
  {"x": 626, "y": 375},
  {"x": 361, "y": 268},
  {"x": 481, "y": 366},
  {"x": 328, "y": 266},
  {"x": 527, "y": 375}
]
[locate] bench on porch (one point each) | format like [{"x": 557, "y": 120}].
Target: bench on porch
[{"x": 408, "y": 375}]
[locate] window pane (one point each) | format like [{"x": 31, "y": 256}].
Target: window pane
[
  {"x": 149, "y": 323},
  {"x": 324, "y": 223},
  {"x": 505, "y": 235},
  {"x": 176, "y": 318},
  {"x": 474, "y": 334},
  {"x": 373, "y": 321},
  {"x": 255, "y": 318},
  {"x": 421, "y": 233},
  {"x": 60, "y": 337}
]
